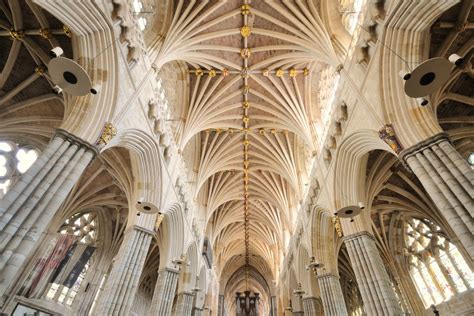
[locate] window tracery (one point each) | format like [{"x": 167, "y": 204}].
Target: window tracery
[
  {"x": 436, "y": 266},
  {"x": 350, "y": 12},
  {"x": 15, "y": 160},
  {"x": 67, "y": 282}
]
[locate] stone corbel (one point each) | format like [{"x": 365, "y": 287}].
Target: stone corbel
[
  {"x": 327, "y": 155},
  {"x": 341, "y": 113},
  {"x": 152, "y": 110}
]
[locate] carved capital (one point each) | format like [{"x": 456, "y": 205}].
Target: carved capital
[{"x": 415, "y": 149}]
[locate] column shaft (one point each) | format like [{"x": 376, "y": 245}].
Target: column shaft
[
  {"x": 372, "y": 278},
  {"x": 184, "y": 305},
  {"x": 220, "y": 308},
  {"x": 28, "y": 207},
  {"x": 274, "y": 306},
  {"x": 123, "y": 281},
  {"x": 165, "y": 289},
  {"x": 331, "y": 295},
  {"x": 312, "y": 306},
  {"x": 449, "y": 181}
]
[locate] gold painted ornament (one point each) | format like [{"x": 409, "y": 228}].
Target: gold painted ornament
[
  {"x": 245, "y": 52},
  {"x": 245, "y": 31},
  {"x": 17, "y": 35},
  {"x": 67, "y": 31},
  {"x": 108, "y": 132},
  {"x": 245, "y": 9},
  {"x": 45, "y": 33}
]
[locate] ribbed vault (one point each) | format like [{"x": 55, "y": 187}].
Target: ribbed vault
[{"x": 250, "y": 117}]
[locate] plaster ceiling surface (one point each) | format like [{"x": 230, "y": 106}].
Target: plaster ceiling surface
[{"x": 252, "y": 107}]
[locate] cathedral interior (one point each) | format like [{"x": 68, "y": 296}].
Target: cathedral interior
[{"x": 236, "y": 157}]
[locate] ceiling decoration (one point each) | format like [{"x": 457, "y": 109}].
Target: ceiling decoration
[
  {"x": 28, "y": 105},
  {"x": 255, "y": 114}
]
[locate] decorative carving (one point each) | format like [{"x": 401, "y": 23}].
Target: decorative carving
[
  {"x": 17, "y": 35},
  {"x": 108, "y": 132},
  {"x": 342, "y": 112},
  {"x": 245, "y": 31},
  {"x": 159, "y": 220},
  {"x": 337, "y": 225},
  {"x": 67, "y": 31},
  {"x": 387, "y": 134},
  {"x": 245, "y": 9},
  {"x": 40, "y": 70},
  {"x": 152, "y": 110},
  {"x": 45, "y": 33},
  {"x": 245, "y": 73},
  {"x": 245, "y": 52}
]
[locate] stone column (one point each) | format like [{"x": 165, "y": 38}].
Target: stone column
[
  {"x": 197, "y": 311},
  {"x": 312, "y": 306},
  {"x": 220, "y": 308},
  {"x": 123, "y": 281},
  {"x": 184, "y": 305},
  {"x": 297, "y": 305},
  {"x": 372, "y": 278},
  {"x": 28, "y": 207},
  {"x": 165, "y": 290},
  {"x": 273, "y": 306},
  {"x": 331, "y": 295},
  {"x": 449, "y": 181}
]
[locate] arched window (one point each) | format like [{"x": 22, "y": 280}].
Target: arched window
[
  {"x": 141, "y": 12},
  {"x": 350, "y": 11},
  {"x": 67, "y": 279},
  {"x": 470, "y": 160},
  {"x": 14, "y": 161},
  {"x": 436, "y": 266}
]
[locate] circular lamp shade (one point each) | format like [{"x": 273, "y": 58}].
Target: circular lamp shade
[
  {"x": 428, "y": 77},
  {"x": 147, "y": 208},
  {"x": 349, "y": 211},
  {"x": 69, "y": 76}
]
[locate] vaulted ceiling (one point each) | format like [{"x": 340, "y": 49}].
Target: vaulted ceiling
[
  {"x": 29, "y": 110},
  {"x": 251, "y": 123}
]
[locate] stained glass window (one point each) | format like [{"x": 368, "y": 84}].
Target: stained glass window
[
  {"x": 66, "y": 284},
  {"x": 436, "y": 266}
]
